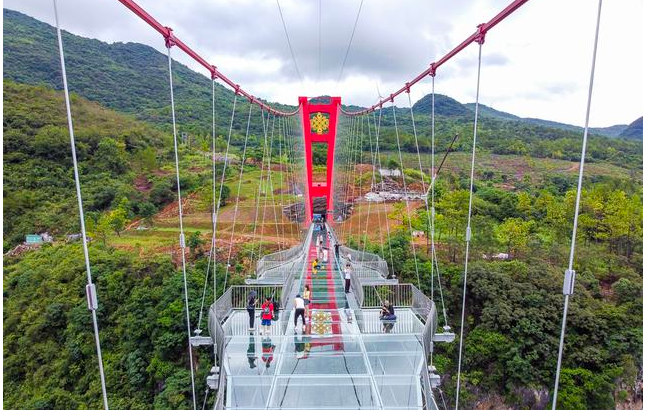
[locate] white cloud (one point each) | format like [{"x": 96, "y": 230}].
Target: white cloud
[{"x": 535, "y": 63}]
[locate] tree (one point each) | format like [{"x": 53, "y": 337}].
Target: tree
[
  {"x": 147, "y": 211},
  {"x": 195, "y": 242},
  {"x": 393, "y": 164},
  {"x": 111, "y": 156},
  {"x": 147, "y": 159},
  {"x": 514, "y": 233}
]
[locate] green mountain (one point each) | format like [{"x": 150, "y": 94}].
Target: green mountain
[
  {"x": 634, "y": 130},
  {"x": 445, "y": 106},
  {"x": 128, "y": 77}
]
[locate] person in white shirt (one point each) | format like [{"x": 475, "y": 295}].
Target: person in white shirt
[
  {"x": 347, "y": 277},
  {"x": 299, "y": 310}
]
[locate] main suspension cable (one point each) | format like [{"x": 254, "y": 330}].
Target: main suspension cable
[
  {"x": 468, "y": 231},
  {"x": 182, "y": 239},
  {"x": 569, "y": 275},
  {"x": 90, "y": 288}
]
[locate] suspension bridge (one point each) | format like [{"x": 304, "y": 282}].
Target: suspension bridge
[{"x": 344, "y": 354}]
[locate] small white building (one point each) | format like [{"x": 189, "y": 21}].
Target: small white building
[{"x": 390, "y": 172}]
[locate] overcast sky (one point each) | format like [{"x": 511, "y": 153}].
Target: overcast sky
[{"x": 536, "y": 62}]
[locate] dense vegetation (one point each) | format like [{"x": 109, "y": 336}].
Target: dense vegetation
[
  {"x": 49, "y": 354},
  {"x": 514, "y": 307}
]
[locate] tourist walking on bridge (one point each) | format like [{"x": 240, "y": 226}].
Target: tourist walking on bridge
[{"x": 299, "y": 310}]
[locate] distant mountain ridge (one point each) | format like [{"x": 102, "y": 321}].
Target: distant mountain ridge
[
  {"x": 612, "y": 131},
  {"x": 133, "y": 78}
]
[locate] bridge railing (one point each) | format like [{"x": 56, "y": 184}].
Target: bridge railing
[
  {"x": 280, "y": 264},
  {"x": 365, "y": 260}
]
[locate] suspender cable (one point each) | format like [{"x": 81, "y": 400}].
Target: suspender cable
[
  {"x": 212, "y": 249},
  {"x": 569, "y": 276},
  {"x": 432, "y": 217},
  {"x": 281, "y": 180},
  {"x": 260, "y": 190},
  {"x": 214, "y": 216},
  {"x": 271, "y": 184},
  {"x": 368, "y": 212},
  {"x": 468, "y": 231},
  {"x": 349, "y": 156},
  {"x": 432, "y": 190},
  {"x": 287, "y": 37},
  {"x": 90, "y": 288},
  {"x": 350, "y": 42},
  {"x": 422, "y": 180},
  {"x": 240, "y": 181},
  {"x": 379, "y": 161},
  {"x": 281, "y": 172},
  {"x": 289, "y": 168},
  {"x": 353, "y": 182},
  {"x": 406, "y": 194},
  {"x": 359, "y": 172},
  {"x": 182, "y": 240}
]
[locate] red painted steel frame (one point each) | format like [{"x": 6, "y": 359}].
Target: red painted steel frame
[
  {"x": 478, "y": 37},
  {"x": 318, "y": 189},
  {"x": 172, "y": 40}
]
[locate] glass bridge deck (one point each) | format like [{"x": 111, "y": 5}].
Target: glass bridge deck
[{"x": 341, "y": 359}]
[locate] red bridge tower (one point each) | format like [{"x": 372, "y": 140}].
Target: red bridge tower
[{"x": 319, "y": 127}]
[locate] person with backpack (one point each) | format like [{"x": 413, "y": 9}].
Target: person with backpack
[
  {"x": 251, "y": 309},
  {"x": 267, "y": 313},
  {"x": 277, "y": 308}
]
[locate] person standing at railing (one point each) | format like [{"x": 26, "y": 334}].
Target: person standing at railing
[
  {"x": 347, "y": 273},
  {"x": 251, "y": 309},
  {"x": 267, "y": 313},
  {"x": 306, "y": 301},
  {"x": 299, "y": 310}
]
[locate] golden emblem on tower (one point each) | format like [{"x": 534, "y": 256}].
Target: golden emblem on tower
[{"x": 319, "y": 123}]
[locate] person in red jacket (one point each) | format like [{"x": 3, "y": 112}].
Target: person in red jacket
[{"x": 267, "y": 313}]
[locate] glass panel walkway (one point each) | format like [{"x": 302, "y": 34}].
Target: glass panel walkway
[{"x": 334, "y": 361}]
